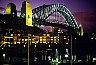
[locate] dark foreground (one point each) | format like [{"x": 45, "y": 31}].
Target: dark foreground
[{"x": 44, "y": 63}]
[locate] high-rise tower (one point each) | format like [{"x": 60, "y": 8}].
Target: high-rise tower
[
  {"x": 11, "y": 9},
  {"x": 26, "y": 13}
]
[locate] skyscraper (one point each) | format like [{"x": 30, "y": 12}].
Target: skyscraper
[
  {"x": 26, "y": 13},
  {"x": 11, "y": 9}
]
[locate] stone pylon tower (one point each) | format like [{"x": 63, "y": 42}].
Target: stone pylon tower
[
  {"x": 11, "y": 9},
  {"x": 81, "y": 30},
  {"x": 26, "y": 13}
]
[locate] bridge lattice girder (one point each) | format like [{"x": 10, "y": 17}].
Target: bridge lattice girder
[{"x": 43, "y": 12}]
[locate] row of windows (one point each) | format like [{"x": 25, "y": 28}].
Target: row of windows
[{"x": 34, "y": 39}]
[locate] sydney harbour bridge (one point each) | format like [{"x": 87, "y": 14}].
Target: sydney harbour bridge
[
  {"x": 61, "y": 18},
  {"x": 43, "y": 13},
  {"x": 55, "y": 46}
]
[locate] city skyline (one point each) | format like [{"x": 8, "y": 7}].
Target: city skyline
[
  {"x": 48, "y": 32},
  {"x": 84, "y": 12}
]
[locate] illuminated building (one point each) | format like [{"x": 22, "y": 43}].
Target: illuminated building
[
  {"x": 81, "y": 30},
  {"x": 26, "y": 13},
  {"x": 13, "y": 33},
  {"x": 11, "y": 9},
  {"x": 60, "y": 30}
]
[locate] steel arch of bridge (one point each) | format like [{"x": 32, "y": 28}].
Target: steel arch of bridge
[{"x": 43, "y": 12}]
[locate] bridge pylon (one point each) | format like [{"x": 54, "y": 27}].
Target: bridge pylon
[
  {"x": 26, "y": 13},
  {"x": 81, "y": 30}
]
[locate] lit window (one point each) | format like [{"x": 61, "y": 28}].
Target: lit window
[
  {"x": 40, "y": 40},
  {"x": 18, "y": 34},
  {"x": 51, "y": 39},
  {"x": 67, "y": 43},
  {"x": 11, "y": 34}
]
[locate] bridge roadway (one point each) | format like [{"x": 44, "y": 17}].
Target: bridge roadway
[{"x": 43, "y": 22}]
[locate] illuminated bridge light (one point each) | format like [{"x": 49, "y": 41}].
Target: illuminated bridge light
[{"x": 55, "y": 7}]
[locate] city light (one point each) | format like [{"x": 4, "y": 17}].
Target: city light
[
  {"x": 67, "y": 43},
  {"x": 66, "y": 55},
  {"x": 49, "y": 45},
  {"x": 94, "y": 59},
  {"x": 46, "y": 34},
  {"x": 3, "y": 55},
  {"x": 35, "y": 45},
  {"x": 2, "y": 48},
  {"x": 24, "y": 45}
]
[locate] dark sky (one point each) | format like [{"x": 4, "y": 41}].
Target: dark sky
[
  {"x": 73, "y": 5},
  {"x": 83, "y": 10}
]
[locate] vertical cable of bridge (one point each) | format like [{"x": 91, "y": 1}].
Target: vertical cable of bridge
[{"x": 59, "y": 18}]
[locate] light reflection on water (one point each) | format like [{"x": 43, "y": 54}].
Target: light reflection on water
[
  {"x": 37, "y": 59},
  {"x": 6, "y": 64}
]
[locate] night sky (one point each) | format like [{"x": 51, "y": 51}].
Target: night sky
[{"x": 84, "y": 11}]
